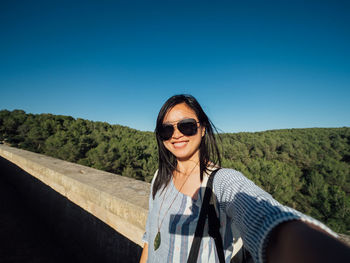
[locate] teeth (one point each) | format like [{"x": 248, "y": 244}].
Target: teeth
[{"x": 179, "y": 144}]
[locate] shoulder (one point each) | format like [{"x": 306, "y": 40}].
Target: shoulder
[
  {"x": 224, "y": 174},
  {"x": 230, "y": 181}
]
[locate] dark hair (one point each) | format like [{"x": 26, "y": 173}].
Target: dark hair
[{"x": 208, "y": 149}]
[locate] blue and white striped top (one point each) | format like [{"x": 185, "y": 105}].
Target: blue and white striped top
[{"x": 242, "y": 207}]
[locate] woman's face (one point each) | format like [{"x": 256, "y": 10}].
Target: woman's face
[{"x": 181, "y": 146}]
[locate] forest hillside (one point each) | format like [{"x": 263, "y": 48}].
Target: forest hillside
[{"x": 307, "y": 169}]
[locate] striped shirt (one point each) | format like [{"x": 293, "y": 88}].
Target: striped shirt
[{"x": 242, "y": 207}]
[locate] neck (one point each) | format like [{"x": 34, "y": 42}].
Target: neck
[
  {"x": 185, "y": 166},
  {"x": 188, "y": 167}
]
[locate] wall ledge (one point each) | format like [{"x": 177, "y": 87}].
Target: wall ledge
[{"x": 120, "y": 202}]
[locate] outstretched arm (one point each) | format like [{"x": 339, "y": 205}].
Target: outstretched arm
[
  {"x": 295, "y": 237},
  {"x": 296, "y": 241}
]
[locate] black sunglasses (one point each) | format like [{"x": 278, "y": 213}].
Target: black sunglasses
[{"x": 187, "y": 127}]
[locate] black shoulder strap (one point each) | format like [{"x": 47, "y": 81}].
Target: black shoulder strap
[
  {"x": 214, "y": 225},
  {"x": 214, "y": 232}
]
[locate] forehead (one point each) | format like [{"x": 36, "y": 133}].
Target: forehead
[{"x": 179, "y": 112}]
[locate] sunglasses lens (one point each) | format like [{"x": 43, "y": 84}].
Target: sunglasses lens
[
  {"x": 187, "y": 127},
  {"x": 166, "y": 131}
]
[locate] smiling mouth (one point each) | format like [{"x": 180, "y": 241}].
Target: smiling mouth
[{"x": 180, "y": 144}]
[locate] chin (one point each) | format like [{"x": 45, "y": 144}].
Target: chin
[{"x": 183, "y": 155}]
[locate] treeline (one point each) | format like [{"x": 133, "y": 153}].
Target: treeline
[{"x": 307, "y": 169}]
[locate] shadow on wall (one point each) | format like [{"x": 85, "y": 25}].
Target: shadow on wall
[{"x": 83, "y": 237}]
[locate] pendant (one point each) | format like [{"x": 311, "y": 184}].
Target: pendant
[{"x": 157, "y": 241}]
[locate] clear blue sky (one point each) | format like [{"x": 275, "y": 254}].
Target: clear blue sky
[{"x": 253, "y": 65}]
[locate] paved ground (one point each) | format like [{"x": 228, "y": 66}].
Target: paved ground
[{"x": 23, "y": 237}]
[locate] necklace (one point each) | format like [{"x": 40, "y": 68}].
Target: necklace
[{"x": 157, "y": 239}]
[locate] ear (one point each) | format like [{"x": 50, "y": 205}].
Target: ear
[{"x": 203, "y": 132}]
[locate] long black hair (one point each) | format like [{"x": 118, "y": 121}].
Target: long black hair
[{"x": 208, "y": 149}]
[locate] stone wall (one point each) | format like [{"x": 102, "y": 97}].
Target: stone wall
[{"x": 99, "y": 216}]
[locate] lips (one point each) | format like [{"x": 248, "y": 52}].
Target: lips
[{"x": 179, "y": 144}]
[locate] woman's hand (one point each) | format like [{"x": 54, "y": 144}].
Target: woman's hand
[{"x": 296, "y": 241}]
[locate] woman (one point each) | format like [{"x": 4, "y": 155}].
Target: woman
[{"x": 187, "y": 155}]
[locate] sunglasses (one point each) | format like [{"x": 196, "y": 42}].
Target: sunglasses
[{"x": 187, "y": 127}]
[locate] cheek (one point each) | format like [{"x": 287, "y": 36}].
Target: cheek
[
  {"x": 196, "y": 141},
  {"x": 167, "y": 145}
]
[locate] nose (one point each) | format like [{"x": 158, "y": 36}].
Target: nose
[{"x": 177, "y": 133}]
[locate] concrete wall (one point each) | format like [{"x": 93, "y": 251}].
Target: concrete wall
[{"x": 98, "y": 216}]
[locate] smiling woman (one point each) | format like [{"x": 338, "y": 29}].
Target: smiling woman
[
  {"x": 185, "y": 139},
  {"x": 188, "y": 160}
]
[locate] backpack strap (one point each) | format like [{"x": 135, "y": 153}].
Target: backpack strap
[
  {"x": 214, "y": 232},
  {"x": 214, "y": 225}
]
